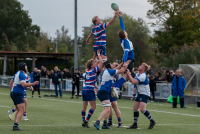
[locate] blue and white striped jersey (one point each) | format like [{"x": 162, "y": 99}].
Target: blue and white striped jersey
[
  {"x": 99, "y": 33},
  {"x": 91, "y": 76}
]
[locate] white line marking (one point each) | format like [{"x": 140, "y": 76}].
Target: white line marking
[
  {"x": 118, "y": 106},
  {"x": 5, "y": 106}
]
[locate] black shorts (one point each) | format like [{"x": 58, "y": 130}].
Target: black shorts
[
  {"x": 103, "y": 95},
  {"x": 142, "y": 98},
  {"x": 17, "y": 98}
]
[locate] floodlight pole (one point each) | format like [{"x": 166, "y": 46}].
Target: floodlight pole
[{"x": 75, "y": 36}]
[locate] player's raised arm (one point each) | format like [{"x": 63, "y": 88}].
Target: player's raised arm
[
  {"x": 132, "y": 80},
  {"x": 119, "y": 66},
  {"x": 121, "y": 22},
  {"x": 113, "y": 19},
  {"x": 100, "y": 65},
  {"x": 88, "y": 38}
]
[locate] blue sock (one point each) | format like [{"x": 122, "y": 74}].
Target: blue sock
[
  {"x": 91, "y": 111},
  {"x": 135, "y": 115},
  {"x": 120, "y": 82},
  {"x": 13, "y": 110},
  {"x": 83, "y": 115},
  {"x": 119, "y": 120},
  {"x": 24, "y": 114},
  {"x": 15, "y": 124},
  {"x": 105, "y": 123},
  {"x": 110, "y": 120},
  {"x": 148, "y": 115}
]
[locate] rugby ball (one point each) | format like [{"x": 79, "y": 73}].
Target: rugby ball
[{"x": 114, "y": 6}]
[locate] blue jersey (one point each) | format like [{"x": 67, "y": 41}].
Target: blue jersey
[
  {"x": 99, "y": 33},
  {"x": 91, "y": 76},
  {"x": 27, "y": 80},
  {"x": 17, "y": 79},
  {"x": 107, "y": 79},
  {"x": 126, "y": 45},
  {"x": 143, "y": 85},
  {"x": 115, "y": 80}
]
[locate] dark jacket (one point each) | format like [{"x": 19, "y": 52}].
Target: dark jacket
[
  {"x": 43, "y": 73},
  {"x": 169, "y": 78},
  {"x": 55, "y": 76},
  {"x": 36, "y": 76},
  {"x": 152, "y": 85},
  {"x": 67, "y": 75},
  {"x": 75, "y": 78}
]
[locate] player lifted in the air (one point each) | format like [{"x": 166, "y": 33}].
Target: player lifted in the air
[
  {"x": 99, "y": 33},
  {"x": 128, "y": 58}
]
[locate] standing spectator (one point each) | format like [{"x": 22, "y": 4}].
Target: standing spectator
[
  {"x": 172, "y": 73},
  {"x": 169, "y": 78},
  {"x": 81, "y": 74},
  {"x": 57, "y": 80},
  {"x": 64, "y": 73},
  {"x": 68, "y": 74},
  {"x": 75, "y": 82},
  {"x": 43, "y": 73},
  {"x": 163, "y": 74},
  {"x": 178, "y": 86},
  {"x": 152, "y": 85},
  {"x": 36, "y": 77},
  {"x": 157, "y": 76}
]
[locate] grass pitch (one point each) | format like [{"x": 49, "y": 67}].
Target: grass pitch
[{"x": 48, "y": 115}]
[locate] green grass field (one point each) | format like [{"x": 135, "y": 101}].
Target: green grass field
[{"x": 48, "y": 115}]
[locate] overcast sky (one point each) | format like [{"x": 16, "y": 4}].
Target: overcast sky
[{"x": 52, "y": 14}]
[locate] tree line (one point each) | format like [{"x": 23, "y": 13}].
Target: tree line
[{"x": 176, "y": 33}]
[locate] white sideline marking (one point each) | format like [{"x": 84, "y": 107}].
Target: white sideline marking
[
  {"x": 197, "y": 108},
  {"x": 47, "y": 125},
  {"x": 5, "y": 106},
  {"x": 118, "y": 106}
]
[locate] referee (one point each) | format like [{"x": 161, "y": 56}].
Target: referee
[{"x": 17, "y": 93}]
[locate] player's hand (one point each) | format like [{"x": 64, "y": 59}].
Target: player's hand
[
  {"x": 87, "y": 41},
  {"x": 125, "y": 64},
  {"x": 120, "y": 14},
  {"x": 117, "y": 12},
  {"x": 98, "y": 51},
  {"x": 36, "y": 82}
]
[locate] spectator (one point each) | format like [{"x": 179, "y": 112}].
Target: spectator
[
  {"x": 172, "y": 73},
  {"x": 75, "y": 82},
  {"x": 178, "y": 86},
  {"x": 81, "y": 74},
  {"x": 157, "y": 76},
  {"x": 68, "y": 74},
  {"x": 133, "y": 73},
  {"x": 152, "y": 85},
  {"x": 57, "y": 80},
  {"x": 43, "y": 72},
  {"x": 163, "y": 74},
  {"x": 169, "y": 78},
  {"x": 36, "y": 77}
]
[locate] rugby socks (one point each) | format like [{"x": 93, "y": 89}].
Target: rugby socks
[
  {"x": 119, "y": 120},
  {"x": 105, "y": 123},
  {"x": 15, "y": 124},
  {"x": 83, "y": 115},
  {"x": 109, "y": 120},
  {"x": 135, "y": 115},
  {"x": 148, "y": 115},
  {"x": 91, "y": 111},
  {"x": 24, "y": 114},
  {"x": 120, "y": 82},
  {"x": 13, "y": 110}
]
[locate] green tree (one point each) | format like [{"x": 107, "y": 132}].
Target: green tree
[
  {"x": 16, "y": 24},
  {"x": 138, "y": 33},
  {"x": 177, "y": 23}
]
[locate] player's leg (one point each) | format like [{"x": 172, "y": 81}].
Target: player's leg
[
  {"x": 83, "y": 112},
  {"x": 33, "y": 91},
  {"x": 103, "y": 53},
  {"x": 19, "y": 115},
  {"x": 25, "y": 114},
  {"x": 56, "y": 91},
  {"x": 11, "y": 112},
  {"x": 147, "y": 114},
  {"x": 39, "y": 91},
  {"x": 117, "y": 112},
  {"x": 135, "y": 114},
  {"x": 175, "y": 94},
  {"x": 110, "y": 116},
  {"x": 73, "y": 88}
]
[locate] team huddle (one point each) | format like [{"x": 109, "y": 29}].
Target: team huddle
[{"x": 109, "y": 89}]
